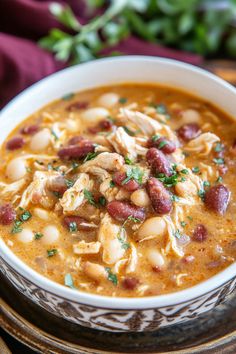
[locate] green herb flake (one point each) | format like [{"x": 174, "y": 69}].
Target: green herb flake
[
  {"x": 16, "y": 227},
  {"x": 219, "y": 179},
  {"x": 74, "y": 165},
  {"x": 219, "y": 147},
  {"x": 219, "y": 161},
  {"x": 52, "y": 252},
  {"x": 129, "y": 131},
  {"x": 123, "y": 100},
  {"x": 183, "y": 223},
  {"x": 135, "y": 174},
  {"x": 57, "y": 194},
  {"x": 69, "y": 183},
  {"x": 102, "y": 201},
  {"x": 26, "y": 215},
  {"x": 88, "y": 195},
  {"x": 161, "y": 108},
  {"x": 54, "y": 134},
  {"x": 206, "y": 184},
  {"x": 162, "y": 144},
  {"x": 68, "y": 96},
  {"x": 112, "y": 184},
  {"x": 73, "y": 226},
  {"x": 111, "y": 276},
  {"x": 190, "y": 218},
  {"x": 168, "y": 181},
  {"x": 177, "y": 234},
  {"x": 38, "y": 235},
  {"x": 132, "y": 218},
  {"x": 184, "y": 171},
  {"x": 174, "y": 198},
  {"x": 201, "y": 194},
  {"x": 155, "y": 137},
  {"x": 196, "y": 169},
  {"x": 68, "y": 281},
  {"x": 90, "y": 156},
  {"x": 128, "y": 161}
]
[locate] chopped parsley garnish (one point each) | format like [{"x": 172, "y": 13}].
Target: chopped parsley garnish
[
  {"x": 201, "y": 193},
  {"x": 129, "y": 131},
  {"x": 26, "y": 215},
  {"x": 177, "y": 234},
  {"x": 111, "y": 276},
  {"x": 182, "y": 179},
  {"x": 68, "y": 96},
  {"x": 168, "y": 181},
  {"x": 28, "y": 169},
  {"x": 50, "y": 167},
  {"x": 74, "y": 165},
  {"x": 219, "y": 161},
  {"x": 184, "y": 171},
  {"x": 52, "y": 252},
  {"x": 123, "y": 100},
  {"x": 132, "y": 218},
  {"x": 90, "y": 156},
  {"x": 133, "y": 173},
  {"x": 16, "y": 227},
  {"x": 155, "y": 137},
  {"x": 121, "y": 237},
  {"x": 111, "y": 119},
  {"x": 38, "y": 235},
  {"x": 206, "y": 184},
  {"x": 69, "y": 183},
  {"x": 73, "y": 226},
  {"x": 68, "y": 281},
  {"x": 162, "y": 144},
  {"x": 219, "y": 179},
  {"x": 190, "y": 218},
  {"x": 54, "y": 134},
  {"x": 161, "y": 108},
  {"x": 183, "y": 223},
  {"x": 57, "y": 194},
  {"x": 102, "y": 201},
  {"x": 112, "y": 184},
  {"x": 219, "y": 147},
  {"x": 88, "y": 195},
  {"x": 128, "y": 161},
  {"x": 174, "y": 198},
  {"x": 39, "y": 162},
  {"x": 196, "y": 169}
]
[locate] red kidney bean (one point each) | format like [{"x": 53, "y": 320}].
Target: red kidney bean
[
  {"x": 188, "y": 131},
  {"x": 122, "y": 210},
  {"x": 130, "y": 186},
  {"x": 58, "y": 185},
  {"x": 77, "y": 106},
  {"x": 30, "y": 129},
  {"x": 76, "y": 151},
  {"x": 15, "y": 143},
  {"x": 158, "y": 162},
  {"x": 163, "y": 144},
  {"x": 159, "y": 196},
  {"x": 200, "y": 233},
  {"x": 7, "y": 214},
  {"x": 76, "y": 219},
  {"x": 232, "y": 150},
  {"x": 102, "y": 125},
  {"x": 75, "y": 140},
  {"x": 217, "y": 198},
  {"x": 130, "y": 283}
]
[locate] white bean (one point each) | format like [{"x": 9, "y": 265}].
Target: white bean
[
  {"x": 151, "y": 228},
  {"x": 190, "y": 116},
  {"x": 95, "y": 114},
  {"x": 72, "y": 125},
  {"x": 155, "y": 258},
  {"x": 40, "y": 140},
  {"x": 94, "y": 271},
  {"x": 140, "y": 198},
  {"x": 50, "y": 234},
  {"x": 25, "y": 236},
  {"x": 16, "y": 169},
  {"x": 41, "y": 213},
  {"x": 108, "y": 100}
]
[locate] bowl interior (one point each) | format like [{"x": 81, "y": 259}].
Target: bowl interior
[{"x": 105, "y": 72}]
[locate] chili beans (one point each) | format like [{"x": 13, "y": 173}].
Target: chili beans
[
  {"x": 217, "y": 198},
  {"x": 158, "y": 162},
  {"x": 122, "y": 210},
  {"x": 163, "y": 144},
  {"x": 77, "y": 106},
  {"x": 30, "y": 129},
  {"x": 119, "y": 178},
  {"x": 200, "y": 233},
  {"x": 78, "y": 222},
  {"x": 160, "y": 197},
  {"x": 15, "y": 143},
  {"x": 130, "y": 283},
  {"x": 76, "y": 151},
  {"x": 188, "y": 131},
  {"x": 7, "y": 214}
]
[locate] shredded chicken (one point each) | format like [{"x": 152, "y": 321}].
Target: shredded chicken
[
  {"x": 74, "y": 196},
  {"x": 83, "y": 247},
  {"x": 10, "y": 190},
  {"x": 133, "y": 259},
  {"x": 110, "y": 236},
  {"x": 172, "y": 246},
  {"x": 125, "y": 144},
  {"x": 107, "y": 191},
  {"x": 106, "y": 160},
  {"x": 203, "y": 144}
]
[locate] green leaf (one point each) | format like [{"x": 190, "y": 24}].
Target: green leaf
[
  {"x": 219, "y": 161},
  {"x": 128, "y": 161},
  {"x": 68, "y": 281},
  {"x": 91, "y": 156},
  {"x": 102, "y": 201},
  {"x": 38, "y": 235},
  {"x": 133, "y": 173},
  {"x": 64, "y": 15},
  {"x": 88, "y": 195},
  {"x": 111, "y": 276},
  {"x": 52, "y": 252},
  {"x": 73, "y": 226},
  {"x": 26, "y": 215},
  {"x": 69, "y": 183},
  {"x": 16, "y": 227},
  {"x": 68, "y": 96}
]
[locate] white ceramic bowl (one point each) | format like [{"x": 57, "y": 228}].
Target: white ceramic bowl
[{"x": 101, "y": 312}]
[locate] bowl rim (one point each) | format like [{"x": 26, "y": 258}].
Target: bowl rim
[{"x": 108, "y": 302}]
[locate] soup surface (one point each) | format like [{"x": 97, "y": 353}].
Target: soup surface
[{"x": 126, "y": 190}]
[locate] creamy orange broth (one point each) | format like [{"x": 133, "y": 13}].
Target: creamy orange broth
[{"x": 177, "y": 253}]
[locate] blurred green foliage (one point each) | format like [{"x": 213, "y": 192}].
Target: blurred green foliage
[{"x": 206, "y": 27}]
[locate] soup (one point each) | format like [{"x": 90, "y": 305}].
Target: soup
[{"x": 127, "y": 190}]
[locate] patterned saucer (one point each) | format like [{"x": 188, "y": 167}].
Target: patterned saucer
[{"x": 214, "y": 332}]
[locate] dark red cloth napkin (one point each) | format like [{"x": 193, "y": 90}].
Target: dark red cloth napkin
[{"x": 22, "y": 62}]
